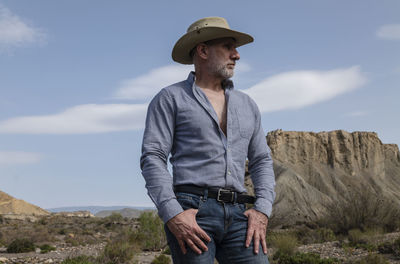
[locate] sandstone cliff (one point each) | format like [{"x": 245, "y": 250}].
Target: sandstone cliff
[
  {"x": 313, "y": 169},
  {"x": 11, "y": 206}
]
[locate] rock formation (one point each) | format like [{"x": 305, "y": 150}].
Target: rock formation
[
  {"x": 10, "y": 206},
  {"x": 313, "y": 169}
]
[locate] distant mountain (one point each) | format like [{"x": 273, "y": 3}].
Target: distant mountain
[
  {"x": 126, "y": 212},
  {"x": 95, "y": 209},
  {"x": 11, "y": 206}
]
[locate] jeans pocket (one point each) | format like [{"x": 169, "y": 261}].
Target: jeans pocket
[{"x": 189, "y": 201}]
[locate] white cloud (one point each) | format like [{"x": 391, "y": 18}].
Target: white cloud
[
  {"x": 14, "y": 32},
  {"x": 297, "y": 89},
  {"x": 19, "y": 157},
  {"x": 147, "y": 85},
  {"x": 81, "y": 119},
  {"x": 391, "y": 31}
]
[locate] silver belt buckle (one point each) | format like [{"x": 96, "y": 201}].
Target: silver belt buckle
[{"x": 224, "y": 190}]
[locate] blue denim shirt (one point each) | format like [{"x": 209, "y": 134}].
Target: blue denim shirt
[{"x": 182, "y": 122}]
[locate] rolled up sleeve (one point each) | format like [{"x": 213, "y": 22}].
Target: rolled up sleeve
[{"x": 157, "y": 143}]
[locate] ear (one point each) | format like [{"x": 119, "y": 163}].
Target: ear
[{"x": 202, "y": 51}]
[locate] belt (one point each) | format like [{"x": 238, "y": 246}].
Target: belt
[{"x": 220, "y": 194}]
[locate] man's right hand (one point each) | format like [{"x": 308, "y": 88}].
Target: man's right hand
[{"x": 186, "y": 230}]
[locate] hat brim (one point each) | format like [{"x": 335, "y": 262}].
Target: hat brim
[{"x": 182, "y": 48}]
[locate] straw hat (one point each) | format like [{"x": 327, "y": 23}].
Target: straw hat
[{"x": 202, "y": 30}]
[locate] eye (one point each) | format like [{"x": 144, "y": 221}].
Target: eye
[{"x": 228, "y": 46}]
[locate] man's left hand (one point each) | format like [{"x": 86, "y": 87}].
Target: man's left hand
[{"x": 256, "y": 229}]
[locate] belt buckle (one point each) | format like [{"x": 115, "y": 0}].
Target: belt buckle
[{"x": 224, "y": 190}]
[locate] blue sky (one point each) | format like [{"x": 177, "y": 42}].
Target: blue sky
[{"x": 76, "y": 78}]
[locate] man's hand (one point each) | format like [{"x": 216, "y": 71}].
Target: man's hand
[
  {"x": 256, "y": 229},
  {"x": 186, "y": 230}
]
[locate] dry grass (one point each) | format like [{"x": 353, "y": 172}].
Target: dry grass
[{"x": 363, "y": 209}]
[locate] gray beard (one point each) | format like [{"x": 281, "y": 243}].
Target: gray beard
[{"x": 221, "y": 71}]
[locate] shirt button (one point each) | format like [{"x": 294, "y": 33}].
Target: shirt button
[{"x": 229, "y": 172}]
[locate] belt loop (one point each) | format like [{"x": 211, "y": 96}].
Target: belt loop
[
  {"x": 205, "y": 194},
  {"x": 235, "y": 197}
]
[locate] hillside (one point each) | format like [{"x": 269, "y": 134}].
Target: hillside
[
  {"x": 125, "y": 212},
  {"x": 11, "y": 206},
  {"x": 315, "y": 169}
]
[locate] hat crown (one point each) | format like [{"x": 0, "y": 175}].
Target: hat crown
[{"x": 208, "y": 22}]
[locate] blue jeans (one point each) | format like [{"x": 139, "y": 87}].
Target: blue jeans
[{"x": 225, "y": 224}]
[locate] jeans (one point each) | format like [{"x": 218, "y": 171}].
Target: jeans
[{"x": 225, "y": 224}]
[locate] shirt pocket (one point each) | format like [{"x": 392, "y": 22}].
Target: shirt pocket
[{"x": 246, "y": 123}]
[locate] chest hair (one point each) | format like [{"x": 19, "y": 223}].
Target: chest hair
[{"x": 218, "y": 102}]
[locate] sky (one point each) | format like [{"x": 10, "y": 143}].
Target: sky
[{"x": 76, "y": 78}]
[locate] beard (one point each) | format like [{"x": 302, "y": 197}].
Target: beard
[{"x": 220, "y": 70}]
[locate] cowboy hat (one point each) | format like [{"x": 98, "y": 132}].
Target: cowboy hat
[{"x": 202, "y": 30}]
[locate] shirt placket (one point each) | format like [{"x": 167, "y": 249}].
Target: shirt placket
[{"x": 203, "y": 100}]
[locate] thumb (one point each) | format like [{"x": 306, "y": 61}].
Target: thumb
[
  {"x": 193, "y": 211},
  {"x": 246, "y": 213}
]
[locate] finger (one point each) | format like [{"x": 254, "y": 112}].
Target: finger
[
  {"x": 182, "y": 246},
  {"x": 256, "y": 244},
  {"x": 199, "y": 242},
  {"x": 264, "y": 244},
  {"x": 202, "y": 234},
  {"x": 249, "y": 236},
  {"x": 193, "y": 246}
]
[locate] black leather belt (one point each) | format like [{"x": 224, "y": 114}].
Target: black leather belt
[{"x": 220, "y": 194}]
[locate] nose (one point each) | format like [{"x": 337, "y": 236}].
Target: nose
[{"x": 235, "y": 54}]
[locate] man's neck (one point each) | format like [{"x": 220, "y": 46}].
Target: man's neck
[{"x": 207, "y": 81}]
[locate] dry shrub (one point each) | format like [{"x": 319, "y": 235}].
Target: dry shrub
[
  {"x": 285, "y": 243},
  {"x": 307, "y": 235},
  {"x": 363, "y": 209},
  {"x": 390, "y": 248},
  {"x": 79, "y": 239},
  {"x": 373, "y": 259},
  {"x": 117, "y": 252},
  {"x": 161, "y": 259},
  {"x": 79, "y": 260}
]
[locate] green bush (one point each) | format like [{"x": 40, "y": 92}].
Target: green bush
[
  {"x": 79, "y": 260},
  {"x": 373, "y": 259},
  {"x": 115, "y": 217},
  {"x": 117, "y": 252},
  {"x": 46, "y": 248},
  {"x": 150, "y": 234},
  {"x": 301, "y": 258},
  {"x": 21, "y": 246},
  {"x": 161, "y": 259}
]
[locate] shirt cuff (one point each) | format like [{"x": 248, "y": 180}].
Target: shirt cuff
[
  {"x": 169, "y": 209},
  {"x": 264, "y": 206}
]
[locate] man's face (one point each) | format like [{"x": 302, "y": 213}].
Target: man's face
[{"x": 222, "y": 57}]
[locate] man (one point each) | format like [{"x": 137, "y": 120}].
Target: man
[{"x": 209, "y": 129}]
